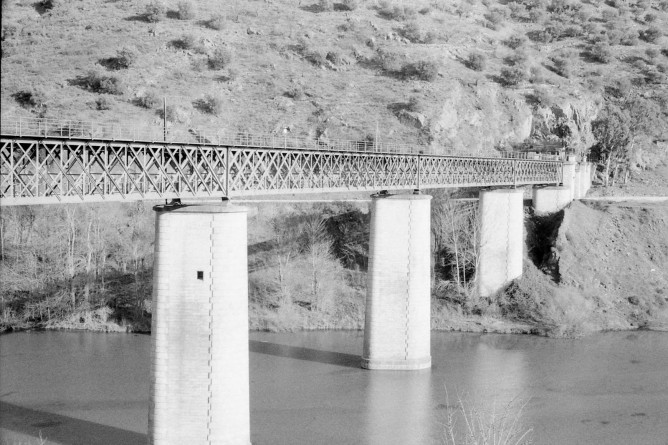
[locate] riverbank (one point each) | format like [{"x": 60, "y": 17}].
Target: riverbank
[{"x": 597, "y": 266}]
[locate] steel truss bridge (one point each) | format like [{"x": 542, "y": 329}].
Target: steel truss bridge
[{"x": 42, "y": 169}]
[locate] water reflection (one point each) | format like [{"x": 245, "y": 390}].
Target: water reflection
[
  {"x": 498, "y": 375},
  {"x": 399, "y": 408}
]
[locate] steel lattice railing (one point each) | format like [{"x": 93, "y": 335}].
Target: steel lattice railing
[{"x": 34, "y": 171}]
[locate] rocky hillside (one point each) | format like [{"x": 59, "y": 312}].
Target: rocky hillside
[{"x": 457, "y": 76}]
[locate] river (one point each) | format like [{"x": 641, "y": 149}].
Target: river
[{"x": 307, "y": 388}]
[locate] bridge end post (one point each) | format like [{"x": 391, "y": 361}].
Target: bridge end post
[
  {"x": 199, "y": 391},
  {"x": 397, "y": 328},
  {"x": 501, "y": 242}
]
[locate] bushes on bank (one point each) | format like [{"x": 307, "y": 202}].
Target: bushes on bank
[{"x": 155, "y": 12}]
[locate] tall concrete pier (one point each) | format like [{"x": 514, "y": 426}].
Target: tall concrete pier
[
  {"x": 398, "y": 319},
  {"x": 200, "y": 373},
  {"x": 501, "y": 239}
]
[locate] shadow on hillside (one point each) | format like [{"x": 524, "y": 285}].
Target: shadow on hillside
[
  {"x": 138, "y": 18},
  {"x": 311, "y": 355},
  {"x": 111, "y": 63},
  {"x": 63, "y": 429},
  {"x": 42, "y": 7},
  {"x": 315, "y": 8}
]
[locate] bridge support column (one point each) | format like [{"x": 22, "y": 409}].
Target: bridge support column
[
  {"x": 568, "y": 179},
  {"x": 397, "y": 327},
  {"x": 199, "y": 390},
  {"x": 550, "y": 199},
  {"x": 501, "y": 239},
  {"x": 577, "y": 183}
]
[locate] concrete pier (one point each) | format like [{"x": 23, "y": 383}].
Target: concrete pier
[
  {"x": 501, "y": 239},
  {"x": 577, "y": 183},
  {"x": 398, "y": 319},
  {"x": 550, "y": 199},
  {"x": 568, "y": 179},
  {"x": 199, "y": 391}
]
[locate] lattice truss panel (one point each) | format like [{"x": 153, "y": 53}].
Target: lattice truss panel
[
  {"x": 270, "y": 170},
  {"x": 36, "y": 171}
]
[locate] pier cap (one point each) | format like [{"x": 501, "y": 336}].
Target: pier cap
[{"x": 223, "y": 207}]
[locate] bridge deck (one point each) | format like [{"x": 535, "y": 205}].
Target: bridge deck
[{"x": 37, "y": 170}]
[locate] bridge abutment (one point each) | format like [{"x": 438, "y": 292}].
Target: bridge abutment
[
  {"x": 200, "y": 372},
  {"x": 501, "y": 239},
  {"x": 397, "y": 328}
]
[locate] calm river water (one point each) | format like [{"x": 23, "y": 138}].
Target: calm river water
[{"x": 307, "y": 388}]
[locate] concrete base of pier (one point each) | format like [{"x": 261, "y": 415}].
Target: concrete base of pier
[
  {"x": 501, "y": 239},
  {"x": 199, "y": 390},
  {"x": 550, "y": 199},
  {"x": 397, "y": 324}
]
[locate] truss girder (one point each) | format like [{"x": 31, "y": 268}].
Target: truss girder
[{"x": 34, "y": 171}]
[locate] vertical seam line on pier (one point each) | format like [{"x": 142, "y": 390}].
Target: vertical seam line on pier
[
  {"x": 209, "y": 395},
  {"x": 509, "y": 200},
  {"x": 408, "y": 278}
]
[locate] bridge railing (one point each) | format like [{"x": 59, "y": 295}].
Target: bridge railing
[{"x": 75, "y": 129}]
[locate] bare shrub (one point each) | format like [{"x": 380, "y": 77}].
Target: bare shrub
[
  {"x": 217, "y": 22},
  {"x": 326, "y": 5},
  {"x": 150, "y": 99},
  {"x": 387, "y": 60},
  {"x": 296, "y": 93},
  {"x": 512, "y": 76},
  {"x": 536, "y": 75},
  {"x": 103, "y": 103},
  {"x": 495, "y": 18},
  {"x": 316, "y": 57},
  {"x": 393, "y": 12},
  {"x": 536, "y": 15},
  {"x": 155, "y": 11},
  {"x": 211, "y": 104},
  {"x": 46, "y": 5},
  {"x": 348, "y": 5},
  {"x": 185, "y": 10},
  {"x": 515, "y": 41},
  {"x": 413, "y": 32},
  {"x": 125, "y": 58},
  {"x": 33, "y": 98},
  {"x": 630, "y": 38},
  {"x": 476, "y": 61},
  {"x": 601, "y": 53},
  {"x": 562, "y": 65},
  {"x": 220, "y": 58},
  {"x": 99, "y": 83},
  {"x": 652, "y": 53},
  {"x": 421, "y": 70},
  {"x": 335, "y": 58},
  {"x": 519, "y": 57},
  {"x": 651, "y": 34},
  {"x": 189, "y": 42}
]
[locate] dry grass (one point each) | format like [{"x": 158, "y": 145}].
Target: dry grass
[
  {"x": 348, "y": 99},
  {"x": 468, "y": 424}
]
